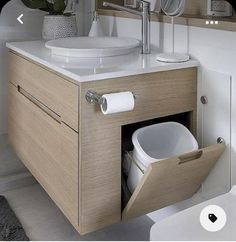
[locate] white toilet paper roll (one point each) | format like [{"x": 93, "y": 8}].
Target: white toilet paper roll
[{"x": 118, "y": 102}]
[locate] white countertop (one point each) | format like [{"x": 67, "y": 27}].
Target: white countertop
[{"x": 87, "y": 69}]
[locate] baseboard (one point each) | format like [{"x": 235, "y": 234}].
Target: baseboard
[{"x": 15, "y": 181}]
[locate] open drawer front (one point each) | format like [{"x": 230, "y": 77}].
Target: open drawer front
[{"x": 172, "y": 180}]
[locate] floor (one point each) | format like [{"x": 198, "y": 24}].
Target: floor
[
  {"x": 42, "y": 220},
  {"x": 186, "y": 225}
]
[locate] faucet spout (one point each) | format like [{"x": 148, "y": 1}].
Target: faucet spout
[
  {"x": 122, "y": 8},
  {"x": 144, "y": 13}
]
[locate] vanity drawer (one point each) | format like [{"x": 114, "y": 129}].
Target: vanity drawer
[
  {"x": 47, "y": 147},
  {"x": 58, "y": 94},
  {"x": 169, "y": 181}
]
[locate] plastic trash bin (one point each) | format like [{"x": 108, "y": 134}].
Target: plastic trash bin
[{"x": 157, "y": 142}]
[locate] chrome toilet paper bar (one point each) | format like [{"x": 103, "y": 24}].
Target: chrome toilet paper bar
[
  {"x": 112, "y": 103},
  {"x": 93, "y": 97}
]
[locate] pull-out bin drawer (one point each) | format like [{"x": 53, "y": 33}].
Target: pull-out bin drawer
[
  {"x": 47, "y": 147},
  {"x": 169, "y": 181},
  {"x": 58, "y": 94}
]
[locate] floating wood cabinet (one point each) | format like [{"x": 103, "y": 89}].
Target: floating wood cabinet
[{"x": 74, "y": 151}]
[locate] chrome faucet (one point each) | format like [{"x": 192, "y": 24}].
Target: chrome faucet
[{"x": 144, "y": 13}]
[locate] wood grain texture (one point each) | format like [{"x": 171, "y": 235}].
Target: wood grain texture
[
  {"x": 82, "y": 171},
  {"x": 58, "y": 94},
  {"x": 170, "y": 181},
  {"x": 157, "y": 95},
  {"x": 49, "y": 149},
  {"x": 198, "y": 7}
]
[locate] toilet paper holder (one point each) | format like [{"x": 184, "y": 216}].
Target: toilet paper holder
[{"x": 93, "y": 97}]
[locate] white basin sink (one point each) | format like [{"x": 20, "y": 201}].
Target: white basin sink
[{"x": 92, "y": 47}]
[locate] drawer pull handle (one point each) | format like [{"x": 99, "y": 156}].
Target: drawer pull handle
[
  {"x": 190, "y": 157},
  {"x": 40, "y": 105}
]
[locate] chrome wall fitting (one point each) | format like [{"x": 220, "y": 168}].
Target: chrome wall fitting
[
  {"x": 204, "y": 99},
  {"x": 93, "y": 97},
  {"x": 220, "y": 140}
]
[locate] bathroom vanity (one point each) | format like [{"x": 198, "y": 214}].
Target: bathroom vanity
[{"x": 75, "y": 152}]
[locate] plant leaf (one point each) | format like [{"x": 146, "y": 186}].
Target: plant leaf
[
  {"x": 35, "y": 4},
  {"x": 50, "y": 8},
  {"x": 59, "y": 6}
]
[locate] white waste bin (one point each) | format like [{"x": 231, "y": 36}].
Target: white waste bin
[{"x": 157, "y": 142}]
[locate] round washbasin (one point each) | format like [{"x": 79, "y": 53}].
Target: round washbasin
[{"x": 83, "y": 47}]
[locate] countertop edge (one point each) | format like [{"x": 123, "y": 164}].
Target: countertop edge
[{"x": 103, "y": 76}]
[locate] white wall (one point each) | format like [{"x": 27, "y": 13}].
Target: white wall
[{"x": 85, "y": 16}]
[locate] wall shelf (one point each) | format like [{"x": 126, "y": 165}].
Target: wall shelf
[{"x": 224, "y": 23}]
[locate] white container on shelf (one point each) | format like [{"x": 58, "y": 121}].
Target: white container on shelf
[
  {"x": 220, "y": 8},
  {"x": 158, "y": 142}
]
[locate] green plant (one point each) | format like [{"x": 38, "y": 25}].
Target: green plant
[{"x": 53, "y": 7}]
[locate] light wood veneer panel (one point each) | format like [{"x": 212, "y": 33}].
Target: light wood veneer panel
[
  {"x": 173, "y": 180},
  {"x": 85, "y": 181},
  {"x": 48, "y": 149},
  {"x": 58, "y": 94},
  {"x": 157, "y": 95},
  {"x": 198, "y": 7}
]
